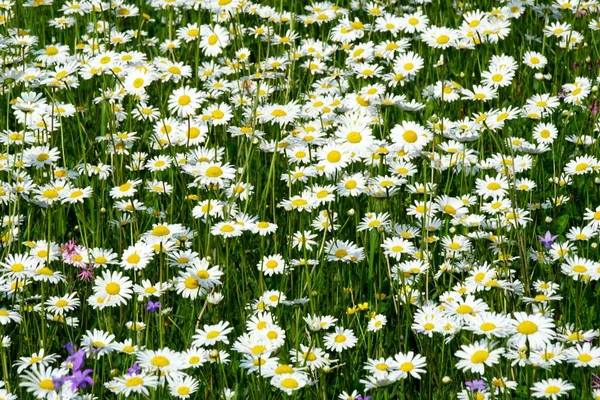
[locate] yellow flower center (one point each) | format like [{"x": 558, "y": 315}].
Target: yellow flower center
[
  {"x": 289, "y": 383},
  {"x": 334, "y": 156},
  {"x": 47, "y": 384},
  {"x": 527, "y": 328},
  {"x": 410, "y": 136},
  {"x": 479, "y": 357},
  {"x": 160, "y": 361},
  {"x": 113, "y": 288},
  {"x": 443, "y": 39},
  {"x": 339, "y": 338},
  {"x": 212, "y": 334},
  {"x": 214, "y": 172},
  {"x": 552, "y": 389}
]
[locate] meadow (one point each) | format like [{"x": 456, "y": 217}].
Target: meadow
[{"x": 226, "y": 199}]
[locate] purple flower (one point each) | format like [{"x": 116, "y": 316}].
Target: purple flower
[
  {"x": 547, "y": 240},
  {"x": 153, "y": 306},
  {"x": 81, "y": 379},
  {"x": 134, "y": 369},
  {"x": 70, "y": 247},
  {"x": 77, "y": 359},
  {"x": 363, "y": 398},
  {"x": 58, "y": 382},
  {"x": 69, "y": 348},
  {"x": 86, "y": 274},
  {"x": 594, "y": 108},
  {"x": 476, "y": 385},
  {"x": 596, "y": 382}
]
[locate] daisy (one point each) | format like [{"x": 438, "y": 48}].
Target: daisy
[
  {"x": 136, "y": 82},
  {"x": 488, "y": 324},
  {"x": 492, "y": 186},
  {"x": 410, "y": 136},
  {"x": 39, "y": 359},
  {"x": 570, "y": 335},
  {"x": 40, "y": 381},
  {"x": 271, "y": 265},
  {"x": 77, "y": 195},
  {"x": 474, "y": 357},
  {"x": 583, "y": 355},
  {"x": 467, "y": 307},
  {"x": 593, "y": 216},
  {"x": 545, "y": 133},
  {"x": 409, "y": 364},
  {"x": 533, "y": 329},
  {"x": 333, "y": 157},
  {"x": 188, "y": 33},
  {"x": 289, "y": 382},
  {"x": 184, "y": 101},
  {"x": 133, "y": 383},
  {"x": 355, "y": 137},
  {"x": 164, "y": 360},
  {"x": 581, "y": 165},
  {"x": 542, "y": 103},
  {"x": 304, "y": 202},
  {"x": 114, "y": 287},
  {"x": 534, "y": 60},
  {"x": 551, "y": 388},
  {"x": 126, "y": 347},
  {"x": 215, "y": 173},
  {"x": 188, "y": 285},
  {"x": 213, "y": 39},
  {"x": 439, "y": 37},
  {"x": 98, "y": 342},
  {"x": 414, "y": 22},
  {"x": 344, "y": 251},
  {"x": 211, "y": 334},
  {"x": 480, "y": 93},
  {"x": 217, "y": 114},
  {"x": 352, "y": 185},
  {"x": 497, "y": 77},
  {"x": 264, "y": 228},
  {"x": 374, "y": 221},
  {"x": 396, "y": 246},
  {"x": 376, "y": 323},
  {"x": 340, "y": 340},
  {"x": 183, "y": 387},
  {"x": 312, "y": 357},
  {"x": 40, "y": 156},
  {"x": 102, "y": 257},
  {"x": 19, "y": 265},
  {"x": 227, "y": 229},
  {"x": 127, "y": 189},
  {"x": 195, "y": 357},
  {"x": 60, "y": 305},
  {"x": 53, "y": 54},
  {"x": 136, "y": 257},
  {"x": 579, "y": 268},
  {"x": 280, "y": 114}
]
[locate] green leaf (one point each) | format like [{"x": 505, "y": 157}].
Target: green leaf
[{"x": 561, "y": 223}]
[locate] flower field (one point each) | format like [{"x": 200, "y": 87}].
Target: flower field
[{"x": 227, "y": 199}]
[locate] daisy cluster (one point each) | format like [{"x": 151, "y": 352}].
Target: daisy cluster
[{"x": 233, "y": 199}]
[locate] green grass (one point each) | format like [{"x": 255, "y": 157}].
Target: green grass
[{"x": 351, "y": 290}]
